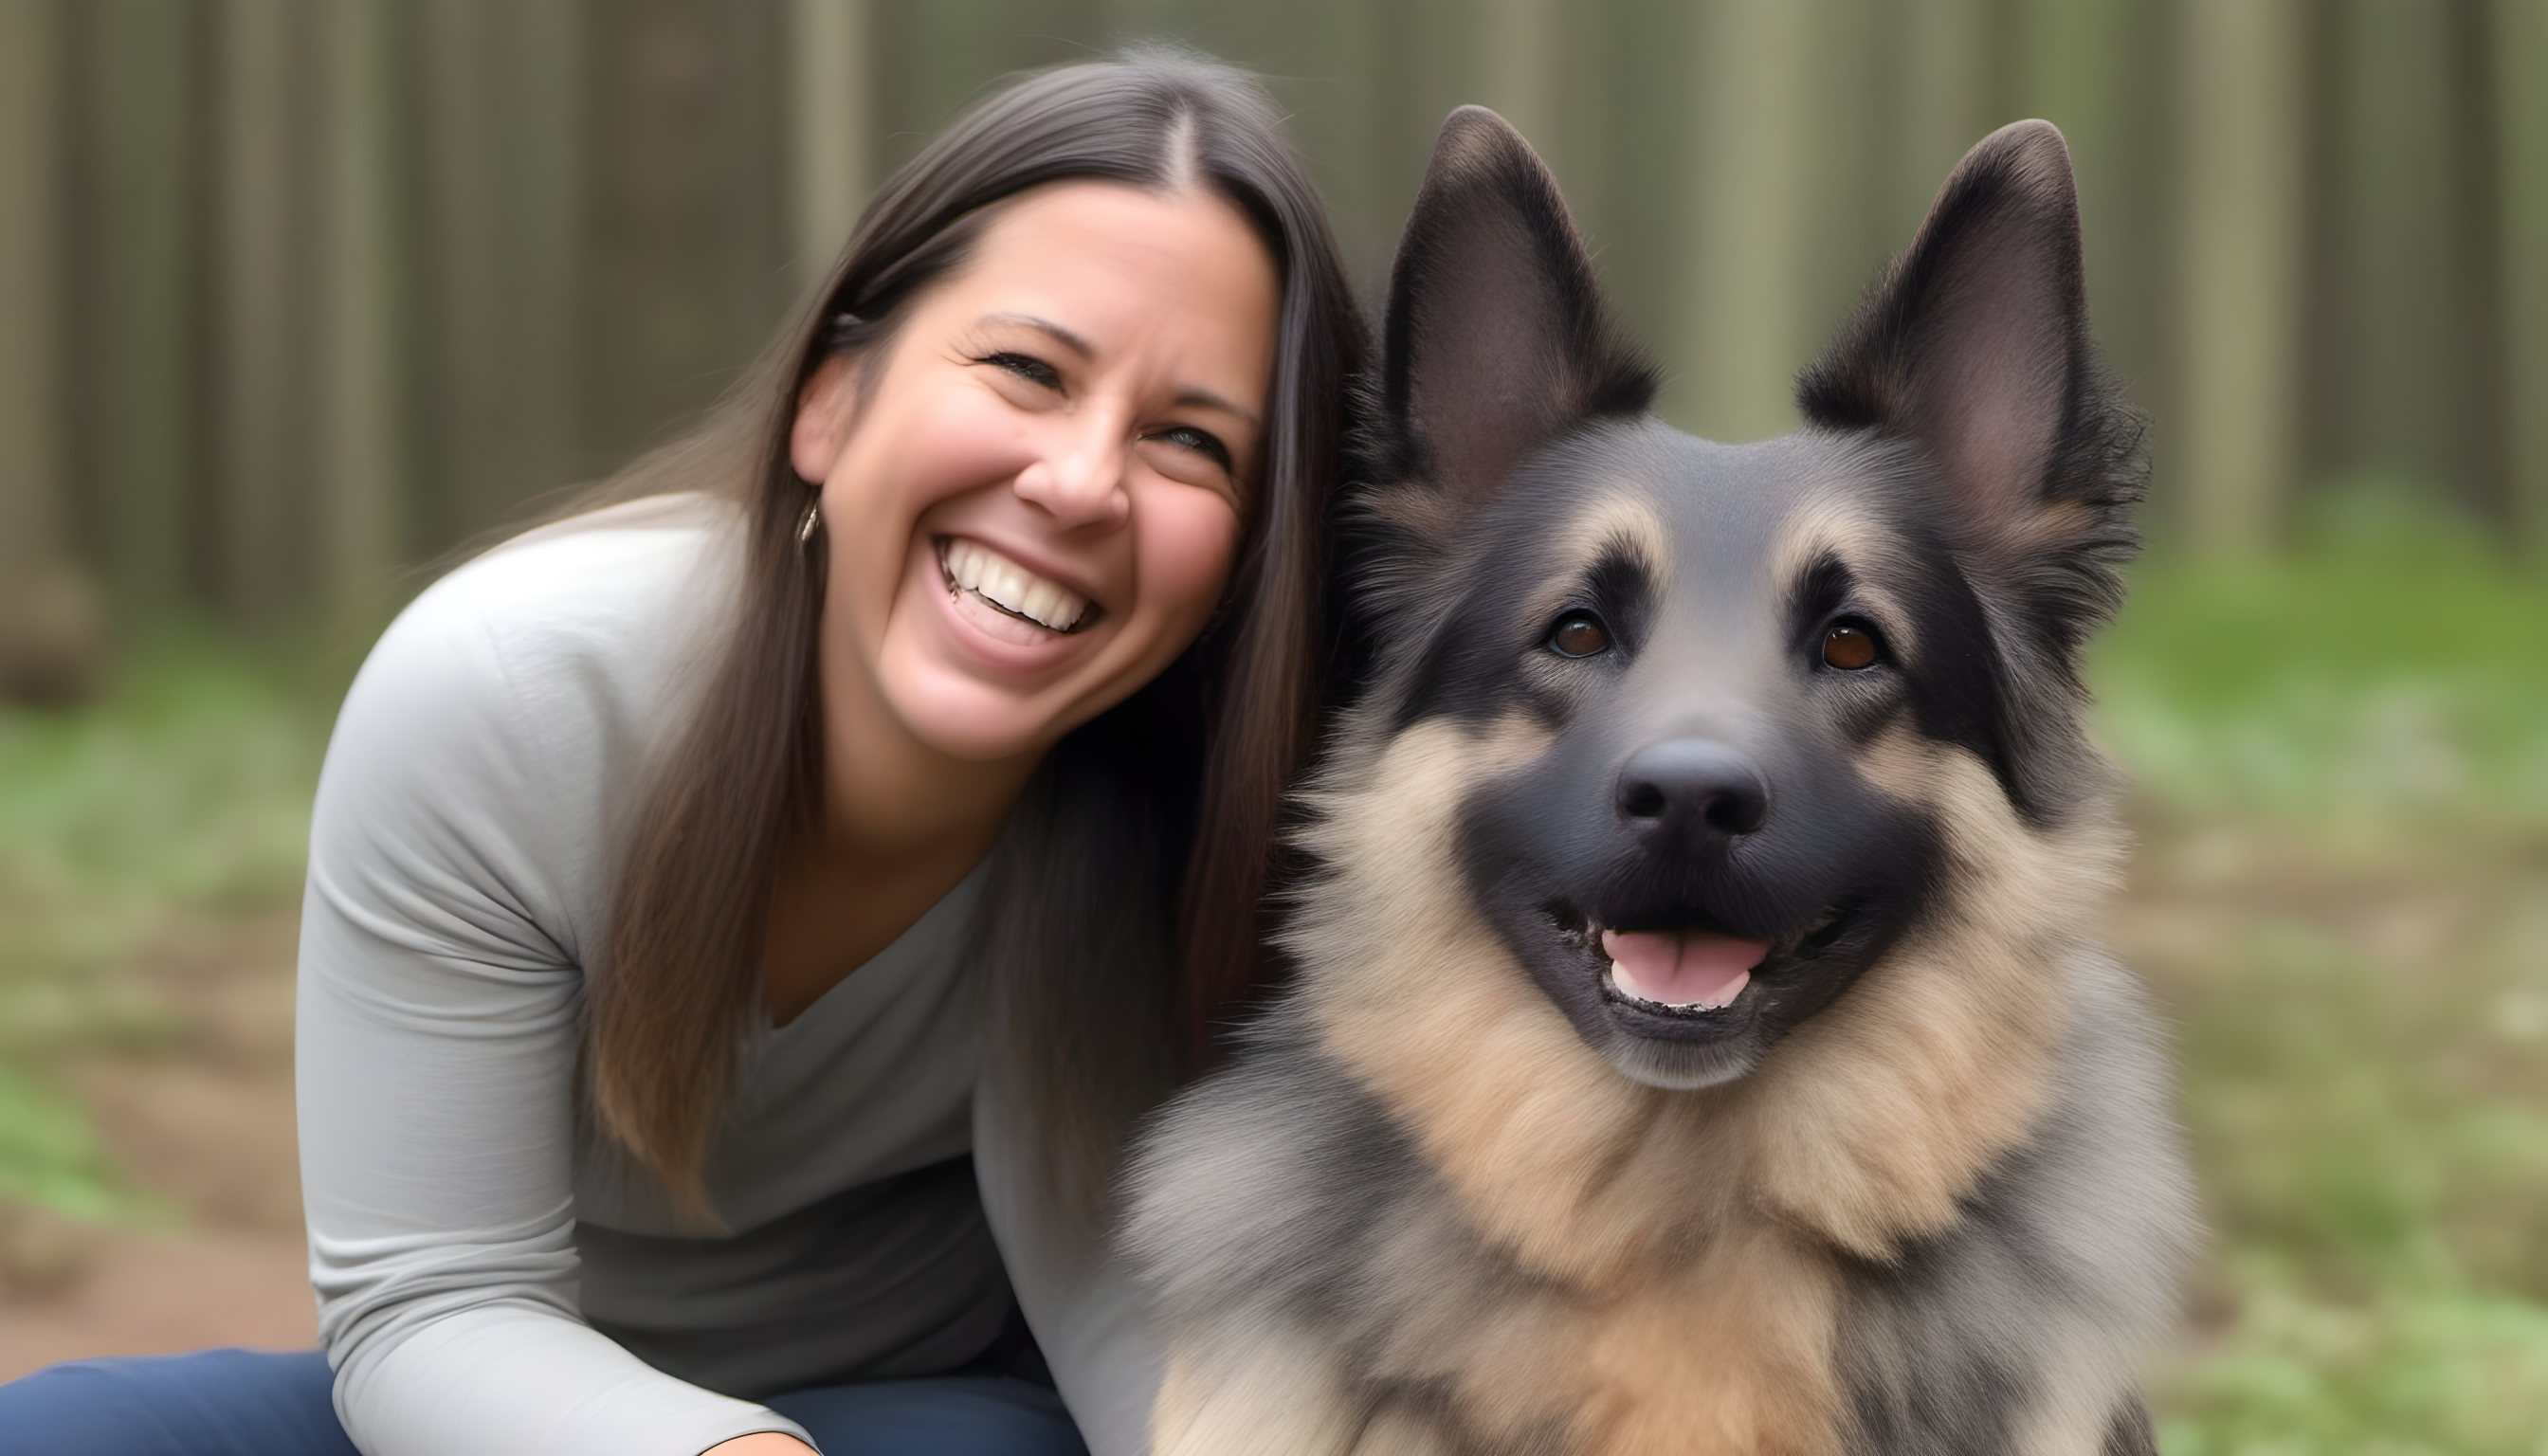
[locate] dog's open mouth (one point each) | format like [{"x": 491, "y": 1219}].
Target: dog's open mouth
[
  {"x": 1694, "y": 968},
  {"x": 1685, "y": 969}
]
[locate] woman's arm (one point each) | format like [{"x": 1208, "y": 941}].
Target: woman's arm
[
  {"x": 1095, "y": 1325},
  {"x": 455, "y": 850}
]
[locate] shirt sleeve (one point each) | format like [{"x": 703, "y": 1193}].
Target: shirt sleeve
[
  {"x": 457, "y": 831},
  {"x": 1094, "y": 1322}
]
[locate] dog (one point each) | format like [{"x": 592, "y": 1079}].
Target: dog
[{"x": 1695, "y": 1040}]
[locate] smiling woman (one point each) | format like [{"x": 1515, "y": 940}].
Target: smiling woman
[
  {"x": 1061, "y": 424},
  {"x": 744, "y": 914}
]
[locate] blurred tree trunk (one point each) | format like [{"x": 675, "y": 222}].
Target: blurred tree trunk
[
  {"x": 2240, "y": 165},
  {"x": 2399, "y": 371},
  {"x": 831, "y": 120},
  {"x": 1349, "y": 118},
  {"x": 360, "y": 384},
  {"x": 686, "y": 238},
  {"x": 135, "y": 286},
  {"x": 1943, "y": 102},
  {"x": 263, "y": 307},
  {"x": 2521, "y": 49},
  {"x": 50, "y": 641},
  {"x": 1518, "y": 66},
  {"x": 501, "y": 194},
  {"x": 2088, "y": 67},
  {"x": 1742, "y": 337}
]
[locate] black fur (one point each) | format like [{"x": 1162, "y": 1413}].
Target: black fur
[
  {"x": 1960, "y": 498},
  {"x": 2006, "y": 223}
]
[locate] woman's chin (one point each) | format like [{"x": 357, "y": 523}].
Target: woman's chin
[
  {"x": 969, "y": 723},
  {"x": 961, "y": 704}
]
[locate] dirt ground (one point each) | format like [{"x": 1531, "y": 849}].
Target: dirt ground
[{"x": 202, "y": 1119}]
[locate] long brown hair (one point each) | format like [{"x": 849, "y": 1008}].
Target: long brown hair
[{"x": 1121, "y": 918}]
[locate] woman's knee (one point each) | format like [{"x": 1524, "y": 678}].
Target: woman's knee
[{"x": 210, "y": 1402}]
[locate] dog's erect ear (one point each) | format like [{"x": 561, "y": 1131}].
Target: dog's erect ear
[
  {"x": 1975, "y": 346},
  {"x": 1496, "y": 338},
  {"x": 1975, "y": 343}
]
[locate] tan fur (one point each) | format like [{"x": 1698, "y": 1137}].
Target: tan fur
[
  {"x": 1277, "y": 1398},
  {"x": 1729, "y": 1353},
  {"x": 1399, "y": 1432},
  {"x": 1691, "y": 1235},
  {"x": 1829, "y": 523},
  {"x": 1875, "y": 1116},
  {"x": 1624, "y": 521}
]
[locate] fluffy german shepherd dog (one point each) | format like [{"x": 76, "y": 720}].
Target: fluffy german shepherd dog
[{"x": 1698, "y": 1043}]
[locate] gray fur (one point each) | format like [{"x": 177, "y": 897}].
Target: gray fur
[
  {"x": 1344, "y": 1263},
  {"x": 2072, "y": 1246},
  {"x": 1282, "y": 1196}
]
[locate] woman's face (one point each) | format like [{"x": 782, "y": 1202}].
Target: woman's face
[{"x": 1033, "y": 507}]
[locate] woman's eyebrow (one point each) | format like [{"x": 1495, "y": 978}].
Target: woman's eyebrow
[
  {"x": 1058, "y": 335},
  {"x": 1206, "y": 399},
  {"x": 1200, "y": 397}
]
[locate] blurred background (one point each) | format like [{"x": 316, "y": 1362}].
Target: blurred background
[{"x": 298, "y": 294}]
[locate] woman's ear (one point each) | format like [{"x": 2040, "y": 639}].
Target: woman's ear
[{"x": 823, "y": 410}]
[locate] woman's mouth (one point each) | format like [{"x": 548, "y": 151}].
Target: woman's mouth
[{"x": 976, "y": 570}]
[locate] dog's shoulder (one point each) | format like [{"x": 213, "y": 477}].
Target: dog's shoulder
[{"x": 2010, "y": 1330}]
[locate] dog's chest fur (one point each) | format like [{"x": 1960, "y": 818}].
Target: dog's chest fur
[
  {"x": 1673, "y": 1260},
  {"x": 1470, "y": 1236}
]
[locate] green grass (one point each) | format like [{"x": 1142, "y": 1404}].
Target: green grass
[
  {"x": 185, "y": 791},
  {"x": 2343, "y": 769},
  {"x": 2391, "y": 672}
]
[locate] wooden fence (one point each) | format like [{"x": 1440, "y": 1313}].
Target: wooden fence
[{"x": 294, "y": 291}]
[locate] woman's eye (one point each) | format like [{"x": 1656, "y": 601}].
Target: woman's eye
[
  {"x": 1848, "y": 648},
  {"x": 1027, "y": 367},
  {"x": 1203, "y": 442},
  {"x": 1579, "y": 634}
]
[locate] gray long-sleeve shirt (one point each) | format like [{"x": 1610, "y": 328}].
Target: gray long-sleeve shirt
[{"x": 469, "y": 1228}]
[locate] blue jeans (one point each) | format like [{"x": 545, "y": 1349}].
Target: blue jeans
[{"x": 252, "y": 1402}]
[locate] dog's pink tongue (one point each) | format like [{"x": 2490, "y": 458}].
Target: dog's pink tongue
[{"x": 1683, "y": 967}]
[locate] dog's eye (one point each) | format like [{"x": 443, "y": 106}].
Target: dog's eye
[
  {"x": 1849, "y": 647},
  {"x": 1579, "y": 634}
]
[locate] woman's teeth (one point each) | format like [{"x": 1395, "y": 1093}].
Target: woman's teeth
[{"x": 975, "y": 567}]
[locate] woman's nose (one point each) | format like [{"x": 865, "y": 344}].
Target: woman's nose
[{"x": 1079, "y": 478}]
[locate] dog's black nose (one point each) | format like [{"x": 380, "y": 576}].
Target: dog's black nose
[{"x": 1689, "y": 786}]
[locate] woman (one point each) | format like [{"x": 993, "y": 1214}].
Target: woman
[{"x": 670, "y": 862}]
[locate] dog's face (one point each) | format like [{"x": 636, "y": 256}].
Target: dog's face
[
  {"x": 1732, "y": 660},
  {"x": 1721, "y": 643}
]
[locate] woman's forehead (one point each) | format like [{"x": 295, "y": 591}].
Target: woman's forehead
[{"x": 1101, "y": 265}]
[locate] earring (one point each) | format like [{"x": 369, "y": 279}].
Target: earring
[{"x": 813, "y": 517}]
